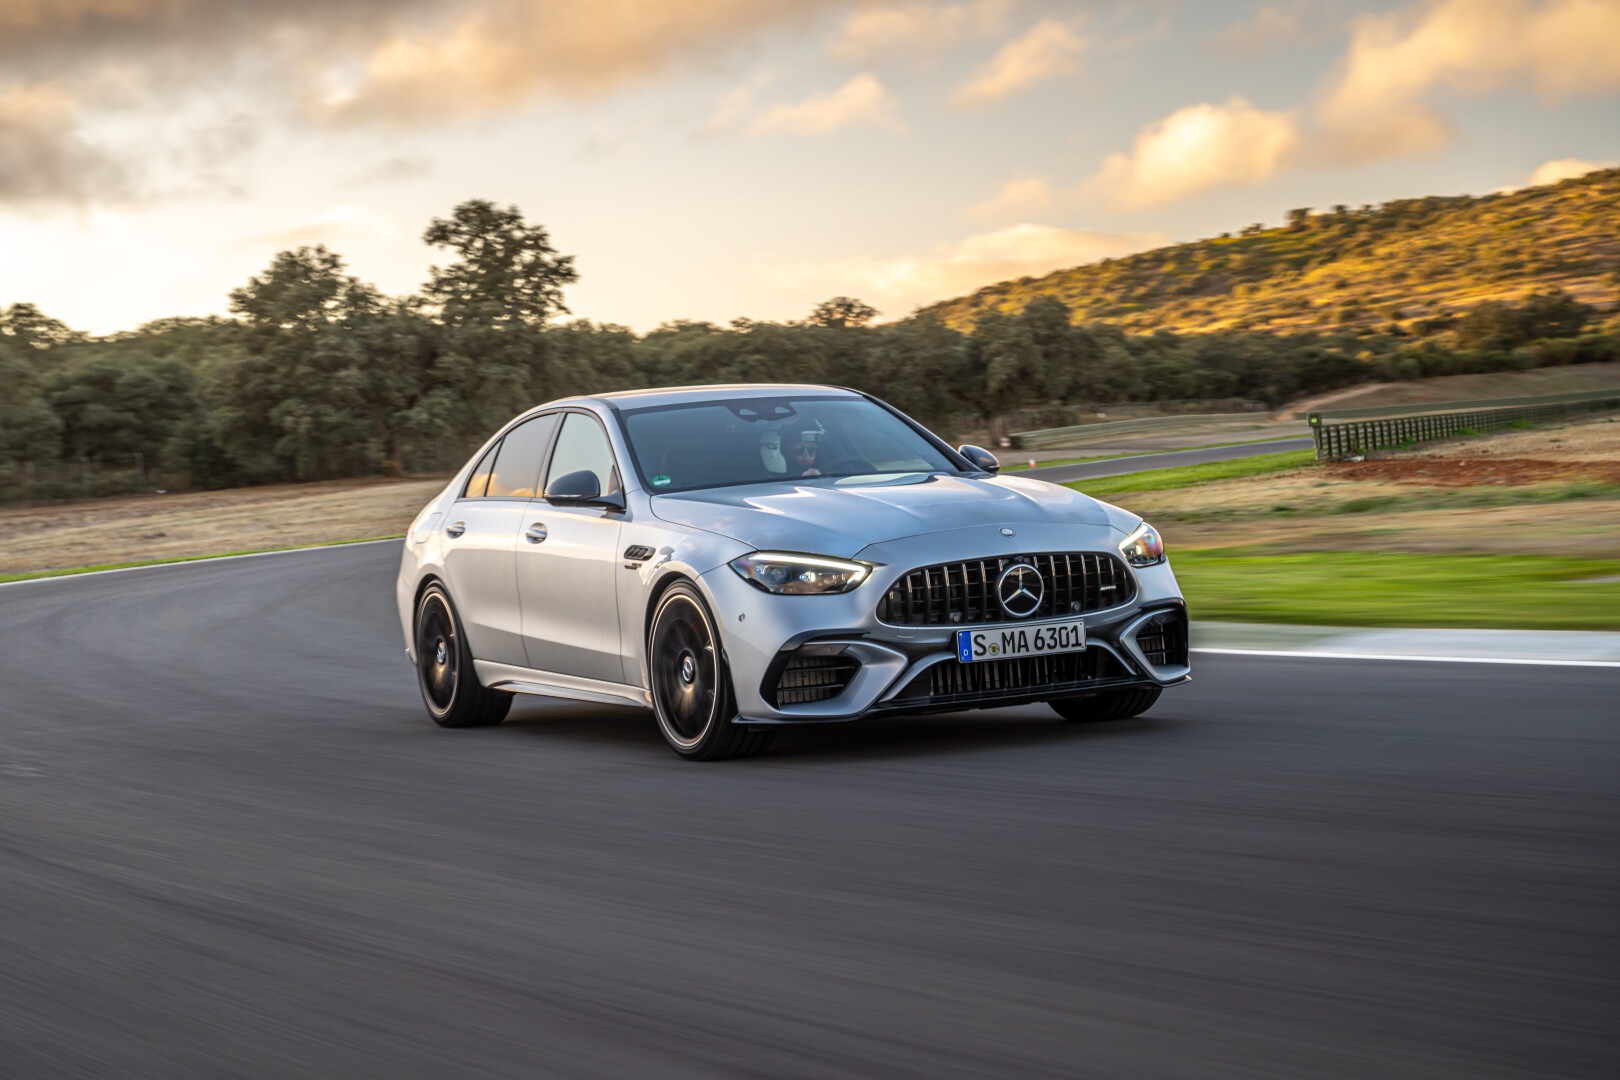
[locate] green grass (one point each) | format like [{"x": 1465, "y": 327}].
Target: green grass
[
  {"x": 32, "y": 574},
  {"x": 1129, "y": 453},
  {"x": 1347, "y": 588},
  {"x": 1189, "y": 475}
]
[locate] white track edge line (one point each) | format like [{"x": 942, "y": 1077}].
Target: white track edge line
[
  {"x": 1319, "y": 655},
  {"x": 204, "y": 559}
]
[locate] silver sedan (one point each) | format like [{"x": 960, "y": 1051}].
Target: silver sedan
[{"x": 736, "y": 558}]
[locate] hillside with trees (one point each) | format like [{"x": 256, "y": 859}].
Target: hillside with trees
[
  {"x": 317, "y": 375},
  {"x": 1414, "y": 263}
]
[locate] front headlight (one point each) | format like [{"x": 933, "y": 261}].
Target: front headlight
[
  {"x": 799, "y": 575},
  {"x": 1144, "y": 547}
]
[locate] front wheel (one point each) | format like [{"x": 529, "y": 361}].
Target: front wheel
[
  {"x": 691, "y": 688},
  {"x": 1109, "y": 705},
  {"x": 444, "y": 668}
]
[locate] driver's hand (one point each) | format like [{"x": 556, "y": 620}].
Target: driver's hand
[{"x": 811, "y": 472}]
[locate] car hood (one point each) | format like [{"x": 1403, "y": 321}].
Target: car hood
[{"x": 840, "y": 517}]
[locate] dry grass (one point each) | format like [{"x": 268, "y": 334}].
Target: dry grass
[
  {"x": 149, "y": 527},
  {"x": 1499, "y": 384}
]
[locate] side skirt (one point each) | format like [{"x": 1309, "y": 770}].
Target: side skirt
[{"x": 522, "y": 680}]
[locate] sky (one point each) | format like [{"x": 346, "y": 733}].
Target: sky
[{"x": 723, "y": 159}]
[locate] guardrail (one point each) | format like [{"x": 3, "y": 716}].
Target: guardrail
[
  {"x": 1358, "y": 436},
  {"x": 1070, "y": 436},
  {"x": 1458, "y": 406}
]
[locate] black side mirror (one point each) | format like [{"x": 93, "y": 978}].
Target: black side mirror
[
  {"x": 980, "y": 458},
  {"x": 574, "y": 487},
  {"x": 581, "y": 489}
]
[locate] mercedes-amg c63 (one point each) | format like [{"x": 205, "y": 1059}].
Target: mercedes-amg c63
[{"x": 736, "y": 558}]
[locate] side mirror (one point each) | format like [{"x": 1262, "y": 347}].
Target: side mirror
[
  {"x": 574, "y": 487},
  {"x": 980, "y": 458}
]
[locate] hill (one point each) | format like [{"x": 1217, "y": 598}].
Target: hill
[{"x": 1414, "y": 261}]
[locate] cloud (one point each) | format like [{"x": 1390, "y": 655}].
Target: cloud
[
  {"x": 862, "y": 100},
  {"x": 873, "y": 33},
  {"x": 898, "y": 284},
  {"x": 44, "y": 160},
  {"x": 1047, "y": 51},
  {"x": 1551, "y": 172},
  {"x": 1195, "y": 149},
  {"x": 1017, "y": 198},
  {"x": 336, "y": 224},
  {"x": 391, "y": 169},
  {"x": 504, "y": 52},
  {"x": 1376, "y": 106},
  {"x": 1275, "y": 24}
]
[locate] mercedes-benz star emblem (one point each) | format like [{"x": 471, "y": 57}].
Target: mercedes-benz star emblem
[
  {"x": 1008, "y": 532},
  {"x": 1020, "y": 589}
]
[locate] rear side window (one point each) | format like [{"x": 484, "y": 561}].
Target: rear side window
[
  {"x": 583, "y": 445},
  {"x": 517, "y": 466},
  {"x": 479, "y": 480}
]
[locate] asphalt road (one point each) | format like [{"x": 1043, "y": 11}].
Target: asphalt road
[
  {"x": 1174, "y": 459},
  {"x": 231, "y": 844}
]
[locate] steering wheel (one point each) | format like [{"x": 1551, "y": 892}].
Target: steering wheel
[{"x": 850, "y": 464}]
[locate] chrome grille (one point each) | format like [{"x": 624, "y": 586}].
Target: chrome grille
[{"x": 964, "y": 593}]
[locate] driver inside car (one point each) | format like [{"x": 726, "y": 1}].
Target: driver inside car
[{"x": 800, "y": 457}]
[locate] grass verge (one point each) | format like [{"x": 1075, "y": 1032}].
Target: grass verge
[
  {"x": 1020, "y": 466},
  {"x": 1190, "y": 475},
  {"x": 1347, "y": 588},
  {"x": 32, "y": 574}
]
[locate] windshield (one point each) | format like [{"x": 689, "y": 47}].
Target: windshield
[{"x": 757, "y": 440}]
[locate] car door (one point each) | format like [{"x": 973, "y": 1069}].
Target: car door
[
  {"x": 481, "y": 536},
  {"x": 567, "y": 564}
]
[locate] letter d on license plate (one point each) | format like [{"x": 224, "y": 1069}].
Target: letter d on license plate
[{"x": 1013, "y": 641}]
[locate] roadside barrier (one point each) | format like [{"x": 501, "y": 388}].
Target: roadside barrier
[
  {"x": 1069, "y": 436},
  {"x": 1358, "y": 436},
  {"x": 1457, "y": 406}
]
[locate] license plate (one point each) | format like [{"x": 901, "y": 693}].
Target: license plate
[{"x": 1002, "y": 642}]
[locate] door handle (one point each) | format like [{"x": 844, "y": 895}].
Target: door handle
[
  {"x": 456, "y": 529},
  {"x": 535, "y": 533}
]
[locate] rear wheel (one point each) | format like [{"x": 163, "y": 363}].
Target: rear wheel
[
  {"x": 1109, "y": 705},
  {"x": 444, "y": 668},
  {"x": 691, "y": 688}
]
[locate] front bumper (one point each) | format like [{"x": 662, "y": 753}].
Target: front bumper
[{"x": 763, "y": 633}]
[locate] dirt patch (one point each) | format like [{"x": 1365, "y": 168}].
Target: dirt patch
[
  {"x": 1464, "y": 472},
  {"x": 100, "y": 532}
]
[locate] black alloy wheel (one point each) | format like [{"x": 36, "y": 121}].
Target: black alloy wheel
[
  {"x": 444, "y": 669},
  {"x": 691, "y": 688},
  {"x": 1107, "y": 705}
]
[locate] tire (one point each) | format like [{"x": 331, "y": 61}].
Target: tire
[
  {"x": 690, "y": 686},
  {"x": 1109, "y": 705},
  {"x": 444, "y": 667}
]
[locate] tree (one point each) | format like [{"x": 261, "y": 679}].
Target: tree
[
  {"x": 507, "y": 273},
  {"x": 292, "y": 399},
  {"x": 25, "y": 324},
  {"x": 29, "y": 430},
  {"x": 1300, "y": 219},
  {"x": 843, "y": 311}
]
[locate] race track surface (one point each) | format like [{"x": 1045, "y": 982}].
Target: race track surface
[
  {"x": 231, "y": 844},
  {"x": 1173, "y": 459}
]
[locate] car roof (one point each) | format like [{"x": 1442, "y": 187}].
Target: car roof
[{"x": 673, "y": 395}]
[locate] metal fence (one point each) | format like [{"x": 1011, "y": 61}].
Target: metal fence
[
  {"x": 1358, "y": 436},
  {"x": 1457, "y": 406}
]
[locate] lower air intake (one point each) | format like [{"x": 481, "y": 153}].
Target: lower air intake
[
  {"x": 814, "y": 678},
  {"x": 1163, "y": 639}
]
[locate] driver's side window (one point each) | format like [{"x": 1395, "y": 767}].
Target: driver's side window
[{"x": 583, "y": 445}]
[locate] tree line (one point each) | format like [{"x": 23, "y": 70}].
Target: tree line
[{"x": 318, "y": 375}]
